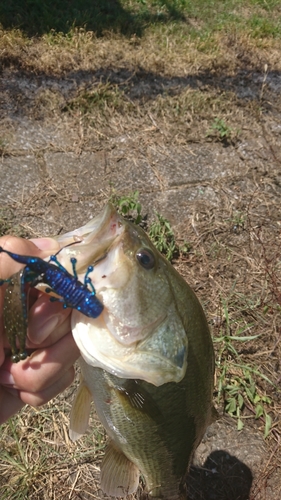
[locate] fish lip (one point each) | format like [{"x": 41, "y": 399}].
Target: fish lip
[
  {"x": 90, "y": 243},
  {"x": 90, "y": 229}
]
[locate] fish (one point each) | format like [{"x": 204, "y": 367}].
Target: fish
[{"x": 147, "y": 361}]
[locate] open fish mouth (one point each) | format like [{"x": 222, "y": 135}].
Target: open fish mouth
[{"x": 90, "y": 243}]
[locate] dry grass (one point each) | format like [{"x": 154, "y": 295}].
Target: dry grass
[
  {"x": 40, "y": 461},
  {"x": 56, "y": 54}
]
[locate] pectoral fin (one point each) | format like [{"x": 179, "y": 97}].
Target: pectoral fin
[
  {"x": 119, "y": 476},
  {"x": 80, "y": 412},
  {"x": 138, "y": 398}
]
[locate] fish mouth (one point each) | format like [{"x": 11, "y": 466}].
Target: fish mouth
[{"x": 90, "y": 243}]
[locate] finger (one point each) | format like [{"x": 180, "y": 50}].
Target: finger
[
  {"x": 12, "y": 400},
  {"x": 41, "y": 397},
  {"x": 47, "y": 321},
  {"x": 43, "y": 368}
]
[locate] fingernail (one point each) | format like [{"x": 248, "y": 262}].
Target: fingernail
[
  {"x": 6, "y": 378},
  {"x": 46, "y": 244},
  {"x": 44, "y": 330}
]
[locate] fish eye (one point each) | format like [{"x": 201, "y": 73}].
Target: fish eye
[{"x": 146, "y": 258}]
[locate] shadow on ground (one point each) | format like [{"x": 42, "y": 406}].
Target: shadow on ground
[
  {"x": 222, "y": 477},
  {"x": 36, "y": 17},
  {"x": 81, "y": 88}
]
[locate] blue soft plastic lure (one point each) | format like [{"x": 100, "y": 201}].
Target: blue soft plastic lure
[{"x": 73, "y": 293}]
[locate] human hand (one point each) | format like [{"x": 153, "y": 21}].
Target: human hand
[{"x": 49, "y": 369}]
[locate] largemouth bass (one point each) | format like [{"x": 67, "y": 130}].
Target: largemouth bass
[{"x": 147, "y": 361}]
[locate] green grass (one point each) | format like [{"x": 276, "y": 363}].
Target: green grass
[
  {"x": 159, "y": 231},
  {"x": 263, "y": 27},
  {"x": 36, "y": 17},
  {"x": 221, "y": 131},
  {"x": 99, "y": 98},
  {"x": 128, "y": 206},
  {"x": 268, "y": 5},
  {"x": 237, "y": 385}
]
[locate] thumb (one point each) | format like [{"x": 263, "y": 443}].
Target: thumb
[{"x": 47, "y": 245}]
